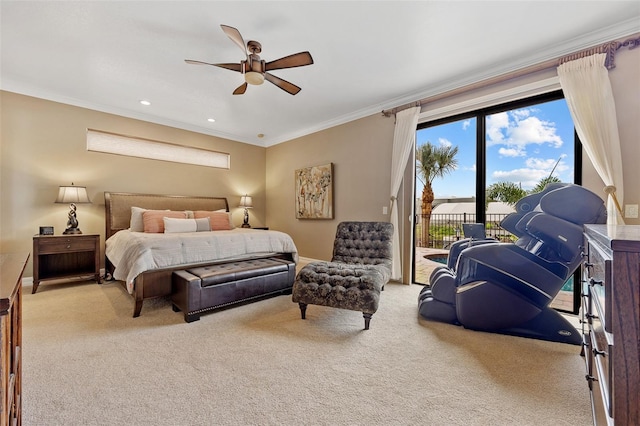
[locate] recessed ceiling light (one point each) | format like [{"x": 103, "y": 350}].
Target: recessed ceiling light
[
  {"x": 261, "y": 135},
  {"x": 211, "y": 120},
  {"x": 145, "y": 102}
]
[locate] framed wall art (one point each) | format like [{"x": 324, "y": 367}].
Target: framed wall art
[{"x": 314, "y": 192}]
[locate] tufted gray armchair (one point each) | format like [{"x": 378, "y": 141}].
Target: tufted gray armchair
[
  {"x": 358, "y": 271},
  {"x": 365, "y": 243}
]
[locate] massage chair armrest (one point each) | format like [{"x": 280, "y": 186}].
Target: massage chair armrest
[
  {"x": 457, "y": 247},
  {"x": 517, "y": 270}
]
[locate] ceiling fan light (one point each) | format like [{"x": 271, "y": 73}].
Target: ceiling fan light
[{"x": 254, "y": 78}]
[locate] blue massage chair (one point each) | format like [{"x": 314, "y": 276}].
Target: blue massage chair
[{"x": 506, "y": 288}]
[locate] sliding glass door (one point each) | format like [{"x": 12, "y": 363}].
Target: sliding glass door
[
  {"x": 474, "y": 167},
  {"x": 445, "y": 190}
]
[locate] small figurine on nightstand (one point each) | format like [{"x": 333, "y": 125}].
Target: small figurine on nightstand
[{"x": 72, "y": 222}]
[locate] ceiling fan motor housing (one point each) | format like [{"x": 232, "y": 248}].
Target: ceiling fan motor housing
[{"x": 253, "y": 69}]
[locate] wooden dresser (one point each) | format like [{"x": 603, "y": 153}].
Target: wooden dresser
[
  {"x": 11, "y": 269},
  {"x": 611, "y": 322}
]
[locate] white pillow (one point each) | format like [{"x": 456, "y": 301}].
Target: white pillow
[
  {"x": 136, "y": 224},
  {"x": 172, "y": 225}
]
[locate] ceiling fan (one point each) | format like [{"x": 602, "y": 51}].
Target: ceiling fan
[{"x": 254, "y": 69}]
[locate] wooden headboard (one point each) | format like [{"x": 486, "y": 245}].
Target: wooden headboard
[{"x": 118, "y": 206}]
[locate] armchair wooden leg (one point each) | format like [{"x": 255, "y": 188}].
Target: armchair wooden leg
[
  {"x": 367, "y": 319},
  {"x": 303, "y": 310}
]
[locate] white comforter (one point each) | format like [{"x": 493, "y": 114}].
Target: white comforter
[{"x": 133, "y": 253}]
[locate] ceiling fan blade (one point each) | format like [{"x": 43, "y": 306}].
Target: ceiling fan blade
[
  {"x": 235, "y": 36},
  {"x": 191, "y": 61},
  {"x": 296, "y": 60},
  {"x": 241, "y": 89},
  {"x": 283, "y": 84},
  {"x": 232, "y": 67}
]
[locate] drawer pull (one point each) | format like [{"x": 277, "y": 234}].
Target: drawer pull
[{"x": 68, "y": 246}]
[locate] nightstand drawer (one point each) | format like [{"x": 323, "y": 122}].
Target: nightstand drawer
[{"x": 62, "y": 245}]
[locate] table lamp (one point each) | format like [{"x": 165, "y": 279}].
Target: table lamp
[
  {"x": 247, "y": 203},
  {"x": 72, "y": 195}
]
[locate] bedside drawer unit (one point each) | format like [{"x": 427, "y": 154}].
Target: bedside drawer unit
[
  {"x": 65, "y": 256},
  {"x": 66, "y": 244}
]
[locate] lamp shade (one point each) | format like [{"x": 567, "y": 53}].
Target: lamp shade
[
  {"x": 73, "y": 194},
  {"x": 246, "y": 202}
]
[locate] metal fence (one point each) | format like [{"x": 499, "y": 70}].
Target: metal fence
[{"x": 444, "y": 229}]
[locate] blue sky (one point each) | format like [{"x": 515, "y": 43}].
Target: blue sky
[{"x": 523, "y": 146}]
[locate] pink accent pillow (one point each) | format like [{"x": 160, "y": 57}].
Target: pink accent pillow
[
  {"x": 154, "y": 219},
  {"x": 220, "y": 221}
]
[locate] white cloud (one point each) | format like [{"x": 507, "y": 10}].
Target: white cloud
[
  {"x": 535, "y": 170},
  {"x": 533, "y": 130},
  {"x": 444, "y": 142},
  {"x": 547, "y": 164},
  {"x": 512, "y": 152},
  {"x": 466, "y": 124},
  {"x": 522, "y": 113},
  {"x": 527, "y": 178},
  {"x": 496, "y": 124},
  {"x": 519, "y": 128}
]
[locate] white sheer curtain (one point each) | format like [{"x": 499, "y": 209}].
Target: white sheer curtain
[
  {"x": 587, "y": 90},
  {"x": 404, "y": 137}
]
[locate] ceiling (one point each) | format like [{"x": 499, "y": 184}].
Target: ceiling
[{"x": 368, "y": 55}]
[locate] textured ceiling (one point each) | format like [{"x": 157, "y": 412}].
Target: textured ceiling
[{"x": 369, "y": 55}]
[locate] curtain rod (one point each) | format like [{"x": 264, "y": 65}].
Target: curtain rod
[{"x": 609, "y": 48}]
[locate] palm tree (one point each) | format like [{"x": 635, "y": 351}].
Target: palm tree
[
  {"x": 544, "y": 182},
  {"x": 511, "y": 193},
  {"x": 507, "y": 192},
  {"x": 432, "y": 162}
]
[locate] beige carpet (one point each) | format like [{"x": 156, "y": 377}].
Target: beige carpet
[{"x": 86, "y": 361}]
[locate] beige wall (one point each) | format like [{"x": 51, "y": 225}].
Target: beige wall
[
  {"x": 43, "y": 145},
  {"x": 361, "y": 155}
]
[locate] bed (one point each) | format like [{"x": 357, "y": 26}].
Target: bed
[{"x": 144, "y": 262}]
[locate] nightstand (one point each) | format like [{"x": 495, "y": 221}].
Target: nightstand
[{"x": 65, "y": 256}]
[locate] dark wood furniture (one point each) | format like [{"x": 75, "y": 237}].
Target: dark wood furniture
[
  {"x": 65, "y": 256},
  {"x": 11, "y": 270},
  {"x": 611, "y": 322}
]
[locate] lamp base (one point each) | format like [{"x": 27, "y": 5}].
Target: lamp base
[
  {"x": 245, "y": 223},
  {"x": 72, "y": 231}
]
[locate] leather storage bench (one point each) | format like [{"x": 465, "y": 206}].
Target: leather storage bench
[{"x": 206, "y": 288}]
